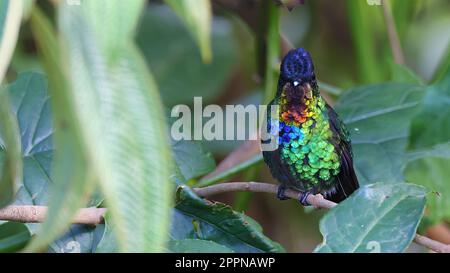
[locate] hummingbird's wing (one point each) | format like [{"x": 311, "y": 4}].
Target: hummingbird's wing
[{"x": 347, "y": 180}]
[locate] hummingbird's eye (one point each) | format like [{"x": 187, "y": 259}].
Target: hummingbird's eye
[{"x": 295, "y": 83}]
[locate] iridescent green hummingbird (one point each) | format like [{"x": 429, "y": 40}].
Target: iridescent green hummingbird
[{"x": 314, "y": 153}]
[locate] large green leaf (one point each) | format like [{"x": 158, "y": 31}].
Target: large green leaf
[
  {"x": 111, "y": 85},
  {"x": 431, "y": 128},
  {"x": 196, "y": 218},
  {"x": 174, "y": 58},
  {"x": 378, "y": 118},
  {"x": 433, "y": 173},
  {"x": 197, "y": 16},
  {"x": 379, "y": 217}
]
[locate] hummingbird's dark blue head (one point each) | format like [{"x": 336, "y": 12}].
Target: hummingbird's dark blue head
[{"x": 297, "y": 66}]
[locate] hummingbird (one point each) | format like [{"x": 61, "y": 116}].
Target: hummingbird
[{"x": 313, "y": 154}]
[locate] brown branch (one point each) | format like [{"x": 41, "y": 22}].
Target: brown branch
[
  {"x": 94, "y": 216},
  {"x": 37, "y": 214},
  {"x": 315, "y": 200}
]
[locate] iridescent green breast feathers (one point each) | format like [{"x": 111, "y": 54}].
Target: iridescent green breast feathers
[{"x": 314, "y": 152}]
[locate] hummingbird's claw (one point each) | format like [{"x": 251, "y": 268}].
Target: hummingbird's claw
[
  {"x": 303, "y": 198},
  {"x": 280, "y": 193}
]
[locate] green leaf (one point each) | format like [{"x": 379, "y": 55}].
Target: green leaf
[
  {"x": 192, "y": 158},
  {"x": 30, "y": 104},
  {"x": 10, "y": 19},
  {"x": 108, "y": 242},
  {"x": 196, "y": 218},
  {"x": 197, "y": 246},
  {"x": 110, "y": 83},
  {"x": 13, "y": 237},
  {"x": 433, "y": 173},
  {"x": 378, "y": 217},
  {"x": 362, "y": 22},
  {"x": 197, "y": 16},
  {"x": 273, "y": 52},
  {"x": 172, "y": 51},
  {"x": 402, "y": 73},
  {"x": 72, "y": 175},
  {"x": 11, "y": 163},
  {"x": 431, "y": 125},
  {"x": 378, "y": 119}
]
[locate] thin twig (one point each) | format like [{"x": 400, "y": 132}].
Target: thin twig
[
  {"x": 394, "y": 41},
  {"x": 315, "y": 200},
  {"x": 37, "y": 214}
]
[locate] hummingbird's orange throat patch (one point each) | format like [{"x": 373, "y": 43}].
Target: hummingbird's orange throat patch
[{"x": 297, "y": 103}]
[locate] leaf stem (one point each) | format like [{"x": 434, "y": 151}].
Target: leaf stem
[{"x": 394, "y": 41}]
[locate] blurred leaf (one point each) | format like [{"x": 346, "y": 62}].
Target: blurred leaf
[
  {"x": 13, "y": 237},
  {"x": 426, "y": 44},
  {"x": 10, "y": 19},
  {"x": 361, "y": 22},
  {"x": 443, "y": 68},
  {"x": 192, "y": 158},
  {"x": 378, "y": 118},
  {"x": 197, "y": 246},
  {"x": 431, "y": 125},
  {"x": 196, "y": 218},
  {"x": 174, "y": 59},
  {"x": 11, "y": 163},
  {"x": 110, "y": 83},
  {"x": 403, "y": 12},
  {"x": 378, "y": 217},
  {"x": 402, "y": 73},
  {"x": 197, "y": 16},
  {"x": 73, "y": 180},
  {"x": 273, "y": 53},
  {"x": 27, "y": 7},
  {"x": 433, "y": 173}
]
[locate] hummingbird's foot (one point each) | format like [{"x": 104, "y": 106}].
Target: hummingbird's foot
[
  {"x": 280, "y": 193},
  {"x": 319, "y": 196},
  {"x": 303, "y": 198}
]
